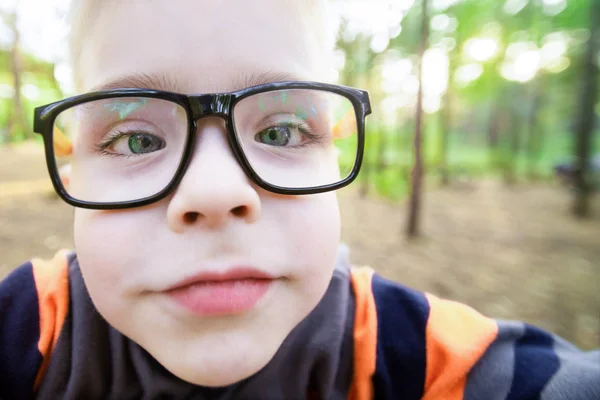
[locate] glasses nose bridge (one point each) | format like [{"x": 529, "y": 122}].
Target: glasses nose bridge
[{"x": 206, "y": 105}]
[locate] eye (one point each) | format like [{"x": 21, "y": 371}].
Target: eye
[
  {"x": 138, "y": 143},
  {"x": 275, "y": 136}
]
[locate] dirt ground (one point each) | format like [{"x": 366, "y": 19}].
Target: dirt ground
[{"x": 511, "y": 253}]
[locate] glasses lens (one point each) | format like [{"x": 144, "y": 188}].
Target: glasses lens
[
  {"x": 298, "y": 138},
  {"x": 119, "y": 149}
]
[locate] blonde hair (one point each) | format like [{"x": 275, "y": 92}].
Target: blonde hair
[
  {"x": 84, "y": 13},
  {"x": 81, "y": 21}
]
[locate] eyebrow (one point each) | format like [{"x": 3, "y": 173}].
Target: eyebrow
[
  {"x": 246, "y": 79},
  {"x": 162, "y": 81},
  {"x": 141, "y": 81}
]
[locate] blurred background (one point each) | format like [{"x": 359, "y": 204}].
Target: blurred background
[{"x": 481, "y": 178}]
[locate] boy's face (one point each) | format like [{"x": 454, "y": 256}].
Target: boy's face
[{"x": 216, "y": 220}]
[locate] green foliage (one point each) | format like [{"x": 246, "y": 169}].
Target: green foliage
[
  {"x": 496, "y": 126},
  {"x": 37, "y": 79}
]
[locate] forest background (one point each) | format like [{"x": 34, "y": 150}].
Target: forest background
[{"x": 482, "y": 168}]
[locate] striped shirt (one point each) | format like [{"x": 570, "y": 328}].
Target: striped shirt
[{"x": 368, "y": 338}]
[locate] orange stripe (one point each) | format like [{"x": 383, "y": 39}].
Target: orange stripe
[
  {"x": 62, "y": 145},
  {"x": 52, "y": 284},
  {"x": 346, "y": 126},
  {"x": 457, "y": 336},
  {"x": 365, "y": 335}
]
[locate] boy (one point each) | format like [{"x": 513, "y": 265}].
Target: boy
[{"x": 207, "y": 232}]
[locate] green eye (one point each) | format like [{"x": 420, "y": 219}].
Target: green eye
[
  {"x": 143, "y": 143},
  {"x": 274, "y": 136}
]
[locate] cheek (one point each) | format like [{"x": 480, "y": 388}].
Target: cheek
[
  {"x": 313, "y": 228},
  {"x": 108, "y": 247},
  {"x": 316, "y": 230}
]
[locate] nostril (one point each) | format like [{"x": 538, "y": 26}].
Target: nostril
[
  {"x": 190, "y": 217},
  {"x": 239, "y": 211}
]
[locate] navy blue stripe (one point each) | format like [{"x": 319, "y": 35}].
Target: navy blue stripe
[
  {"x": 535, "y": 364},
  {"x": 402, "y": 315},
  {"x": 20, "y": 358},
  {"x": 70, "y": 258}
]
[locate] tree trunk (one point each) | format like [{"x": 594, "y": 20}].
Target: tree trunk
[
  {"x": 446, "y": 120},
  {"x": 18, "y": 115},
  {"x": 511, "y": 157},
  {"x": 586, "y": 117},
  {"x": 493, "y": 126},
  {"x": 445, "y": 127},
  {"x": 533, "y": 125},
  {"x": 416, "y": 188},
  {"x": 534, "y": 133},
  {"x": 496, "y": 124}
]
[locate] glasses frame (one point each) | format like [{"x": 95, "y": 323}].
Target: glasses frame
[{"x": 198, "y": 106}]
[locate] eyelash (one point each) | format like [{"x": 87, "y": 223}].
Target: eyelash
[
  {"x": 302, "y": 127},
  {"x": 102, "y": 146}
]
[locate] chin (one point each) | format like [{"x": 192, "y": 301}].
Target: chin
[
  {"x": 217, "y": 366},
  {"x": 217, "y": 374},
  {"x": 215, "y": 379}
]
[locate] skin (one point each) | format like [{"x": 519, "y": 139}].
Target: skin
[{"x": 216, "y": 218}]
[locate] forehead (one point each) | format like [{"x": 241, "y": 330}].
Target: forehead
[{"x": 201, "y": 46}]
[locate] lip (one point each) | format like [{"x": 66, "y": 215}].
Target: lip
[{"x": 234, "y": 291}]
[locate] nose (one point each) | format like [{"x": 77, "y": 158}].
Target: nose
[{"x": 215, "y": 190}]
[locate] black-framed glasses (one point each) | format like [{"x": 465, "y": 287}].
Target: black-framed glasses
[{"x": 131, "y": 147}]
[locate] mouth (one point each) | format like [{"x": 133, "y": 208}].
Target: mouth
[{"x": 231, "y": 292}]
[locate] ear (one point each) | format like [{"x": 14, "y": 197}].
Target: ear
[{"x": 64, "y": 173}]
